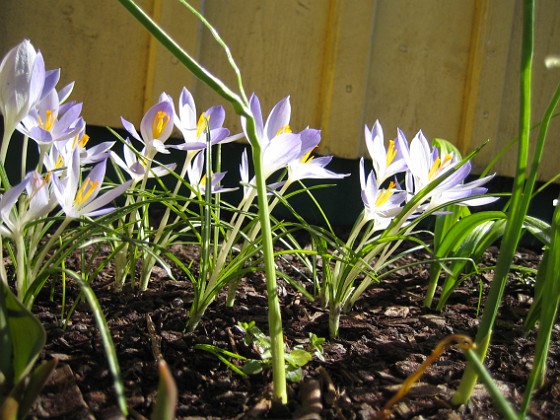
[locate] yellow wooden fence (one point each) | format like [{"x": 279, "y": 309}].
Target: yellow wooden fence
[{"x": 448, "y": 67}]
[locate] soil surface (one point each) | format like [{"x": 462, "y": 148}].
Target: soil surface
[{"x": 382, "y": 341}]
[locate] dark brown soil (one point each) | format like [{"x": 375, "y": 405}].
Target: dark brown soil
[{"x": 383, "y": 340}]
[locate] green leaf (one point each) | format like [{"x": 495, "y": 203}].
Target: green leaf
[
  {"x": 166, "y": 400},
  {"x": 294, "y": 373},
  {"x": 547, "y": 304},
  {"x": 446, "y": 147},
  {"x": 298, "y": 357},
  {"x": 28, "y": 389},
  {"x": 25, "y": 333},
  {"x": 470, "y": 250},
  {"x": 538, "y": 228},
  {"x": 252, "y": 367},
  {"x": 473, "y": 226}
]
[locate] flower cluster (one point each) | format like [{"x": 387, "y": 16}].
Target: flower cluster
[
  {"x": 419, "y": 166},
  {"x": 407, "y": 180}
]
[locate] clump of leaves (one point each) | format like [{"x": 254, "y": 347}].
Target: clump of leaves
[{"x": 253, "y": 337}]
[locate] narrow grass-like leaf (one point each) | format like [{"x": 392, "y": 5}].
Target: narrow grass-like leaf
[
  {"x": 166, "y": 399},
  {"x": 548, "y": 303},
  {"x": 107, "y": 340}
]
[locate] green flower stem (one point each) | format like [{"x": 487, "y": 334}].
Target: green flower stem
[
  {"x": 122, "y": 254},
  {"x": 241, "y": 105},
  {"x": 150, "y": 260},
  {"x": 274, "y": 314},
  {"x": 519, "y": 206},
  {"x": 22, "y": 271},
  {"x": 55, "y": 237},
  {"x": 499, "y": 400},
  {"x": 251, "y": 239},
  {"x": 205, "y": 263}
]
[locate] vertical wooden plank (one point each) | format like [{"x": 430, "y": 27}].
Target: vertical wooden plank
[
  {"x": 96, "y": 43},
  {"x": 278, "y": 47},
  {"x": 169, "y": 75},
  {"x": 346, "y": 60},
  {"x": 419, "y": 66},
  {"x": 547, "y": 36},
  {"x": 487, "y": 67}
]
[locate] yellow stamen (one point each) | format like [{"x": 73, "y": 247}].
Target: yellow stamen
[
  {"x": 59, "y": 162},
  {"x": 385, "y": 195},
  {"x": 438, "y": 165},
  {"x": 83, "y": 141},
  {"x": 49, "y": 122},
  {"x": 285, "y": 129},
  {"x": 143, "y": 161},
  {"x": 160, "y": 122},
  {"x": 202, "y": 125},
  {"x": 392, "y": 152},
  {"x": 307, "y": 157},
  {"x": 85, "y": 191}
]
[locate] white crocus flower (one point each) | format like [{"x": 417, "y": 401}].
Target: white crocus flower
[
  {"x": 381, "y": 204},
  {"x": 81, "y": 200},
  {"x": 22, "y": 79},
  {"x": 386, "y": 161},
  {"x": 135, "y": 163}
]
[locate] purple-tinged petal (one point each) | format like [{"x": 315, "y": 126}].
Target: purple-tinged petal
[
  {"x": 278, "y": 119},
  {"x": 218, "y": 135},
  {"x": 216, "y": 116},
  {"x": 255, "y": 107},
  {"x": 128, "y": 126},
  {"x": 91, "y": 209},
  {"x": 51, "y": 79},
  {"x": 157, "y": 124},
  {"x": 64, "y": 93},
  {"x": 310, "y": 139},
  {"x": 188, "y": 146},
  {"x": 187, "y": 109}
]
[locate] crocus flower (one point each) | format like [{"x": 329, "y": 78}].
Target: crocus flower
[
  {"x": 135, "y": 163},
  {"x": 307, "y": 166},
  {"x": 194, "y": 130},
  {"x": 197, "y": 178},
  {"x": 155, "y": 128},
  {"x": 381, "y": 204},
  {"x": 38, "y": 203},
  {"x": 386, "y": 162},
  {"x": 83, "y": 201},
  {"x": 92, "y": 154},
  {"x": 10, "y": 223},
  {"x": 22, "y": 77},
  {"x": 41, "y": 201},
  {"x": 49, "y": 122},
  {"x": 279, "y": 145},
  {"x": 278, "y": 120},
  {"x": 426, "y": 165}
]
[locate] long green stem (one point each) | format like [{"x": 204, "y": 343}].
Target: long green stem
[
  {"x": 519, "y": 206},
  {"x": 38, "y": 264},
  {"x": 241, "y": 106},
  {"x": 548, "y": 312},
  {"x": 274, "y": 314},
  {"x": 22, "y": 266},
  {"x": 499, "y": 400}
]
